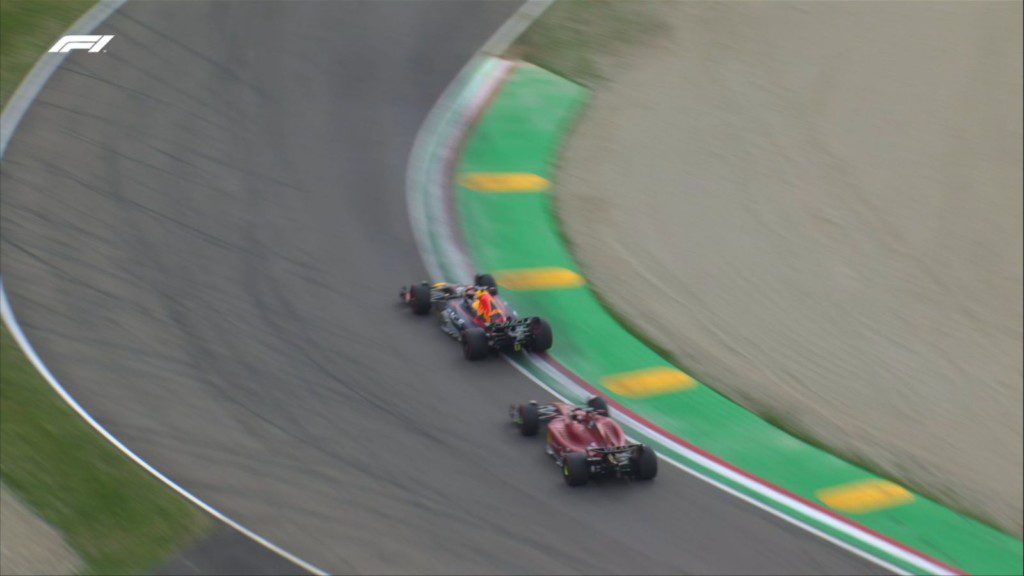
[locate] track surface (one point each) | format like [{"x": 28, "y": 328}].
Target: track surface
[{"x": 204, "y": 231}]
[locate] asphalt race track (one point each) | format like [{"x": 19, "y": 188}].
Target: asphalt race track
[{"x": 204, "y": 234}]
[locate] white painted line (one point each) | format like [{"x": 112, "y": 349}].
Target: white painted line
[
  {"x": 12, "y": 324},
  {"x": 514, "y": 26},
  {"x": 783, "y": 499},
  {"x": 439, "y": 118},
  {"x": 438, "y": 127},
  {"x": 30, "y": 86},
  {"x": 12, "y": 114},
  {"x": 754, "y": 502}
]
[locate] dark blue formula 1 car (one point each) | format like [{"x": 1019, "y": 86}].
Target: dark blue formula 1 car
[{"x": 474, "y": 315}]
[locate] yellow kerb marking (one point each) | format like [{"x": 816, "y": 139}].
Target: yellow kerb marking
[
  {"x": 539, "y": 279},
  {"x": 504, "y": 182},
  {"x": 865, "y": 496},
  {"x": 648, "y": 382}
]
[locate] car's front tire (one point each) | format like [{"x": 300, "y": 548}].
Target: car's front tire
[
  {"x": 474, "y": 344},
  {"x": 529, "y": 419},
  {"x": 419, "y": 298}
]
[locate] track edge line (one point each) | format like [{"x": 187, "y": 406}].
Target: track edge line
[
  {"x": 13, "y": 112},
  {"x": 432, "y": 262}
]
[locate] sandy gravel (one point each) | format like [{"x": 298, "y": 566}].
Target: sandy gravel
[{"x": 816, "y": 207}]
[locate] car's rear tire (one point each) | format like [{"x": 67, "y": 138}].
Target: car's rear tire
[
  {"x": 486, "y": 280},
  {"x": 529, "y": 419},
  {"x": 575, "y": 469},
  {"x": 542, "y": 336},
  {"x": 646, "y": 464},
  {"x": 598, "y": 404},
  {"x": 419, "y": 298},
  {"x": 474, "y": 344}
]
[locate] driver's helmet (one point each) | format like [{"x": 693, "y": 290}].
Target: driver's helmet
[{"x": 487, "y": 308}]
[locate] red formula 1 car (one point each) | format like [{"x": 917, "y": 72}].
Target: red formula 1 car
[
  {"x": 586, "y": 442},
  {"x": 475, "y": 316}
]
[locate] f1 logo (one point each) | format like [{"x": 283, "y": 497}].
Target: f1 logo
[{"x": 90, "y": 43}]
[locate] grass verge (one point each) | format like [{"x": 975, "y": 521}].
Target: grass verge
[
  {"x": 27, "y": 29},
  {"x": 118, "y": 517},
  {"x": 115, "y": 515}
]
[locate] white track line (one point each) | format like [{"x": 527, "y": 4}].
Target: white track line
[
  {"x": 462, "y": 269},
  {"x": 437, "y": 118},
  {"x": 12, "y": 114},
  {"x": 443, "y": 113},
  {"x": 26, "y": 346},
  {"x": 754, "y": 502},
  {"x": 29, "y": 88},
  {"x": 783, "y": 499}
]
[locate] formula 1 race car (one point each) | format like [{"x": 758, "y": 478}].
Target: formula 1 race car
[
  {"x": 475, "y": 316},
  {"x": 585, "y": 442}
]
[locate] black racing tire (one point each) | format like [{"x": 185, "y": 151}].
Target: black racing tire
[
  {"x": 542, "y": 336},
  {"x": 486, "y": 280},
  {"x": 598, "y": 404},
  {"x": 529, "y": 419},
  {"x": 645, "y": 464},
  {"x": 419, "y": 299},
  {"x": 474, "y": 344},
  {"x": 575, "y": 469}
]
